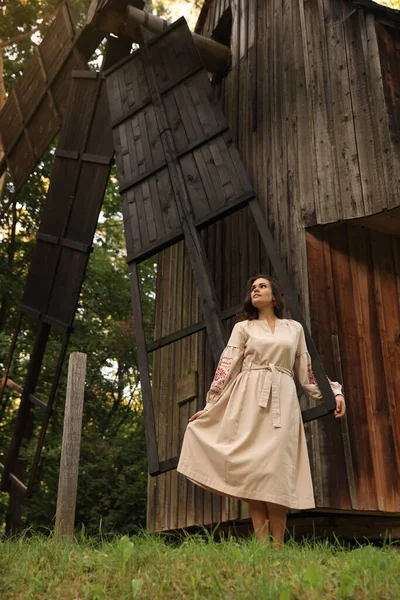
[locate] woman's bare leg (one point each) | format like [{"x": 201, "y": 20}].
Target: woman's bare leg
[
  {"x": 259, "y": 516},
  {"x": 277, "y": 518}
]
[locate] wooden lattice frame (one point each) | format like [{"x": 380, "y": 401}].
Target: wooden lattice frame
[{"x": 33, "y": 112}]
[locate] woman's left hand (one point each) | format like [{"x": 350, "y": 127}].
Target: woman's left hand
[{"x": 340, "y": 406}]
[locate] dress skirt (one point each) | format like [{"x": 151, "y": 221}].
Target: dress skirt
[{"x": 250, "y": 442}]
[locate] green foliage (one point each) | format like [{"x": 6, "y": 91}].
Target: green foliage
[{"x": 148, "y": 567}]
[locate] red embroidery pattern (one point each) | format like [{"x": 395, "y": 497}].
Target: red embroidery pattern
[
  {"x": 221, "y": 373},
  {"x": 311, "y": 376}
]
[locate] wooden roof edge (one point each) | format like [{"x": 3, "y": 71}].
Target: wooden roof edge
[
  {"x": 390, "y": 13},
  {"x": 370, "y": 5}
]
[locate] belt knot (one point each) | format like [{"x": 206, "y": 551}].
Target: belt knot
[{"x": 270, "y": 387}]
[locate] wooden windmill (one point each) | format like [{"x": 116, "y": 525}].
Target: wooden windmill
[
  {"x": 178, "y": 170},
  {"x": 312, "y": 102}
]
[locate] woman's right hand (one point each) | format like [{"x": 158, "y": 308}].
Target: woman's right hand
[{"x": 197, "y": 415}]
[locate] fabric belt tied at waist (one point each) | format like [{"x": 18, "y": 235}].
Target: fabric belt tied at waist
[{"x": 270, "y": 387}]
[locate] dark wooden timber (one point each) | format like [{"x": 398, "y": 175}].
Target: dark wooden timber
[
  {"x": 47, "y": 414},
  {"x": 186, "y": 331},
  {"x": 25, "y": 405},
  {"x": 9, "y": 359},
  {"x": 151, "y": 440}
]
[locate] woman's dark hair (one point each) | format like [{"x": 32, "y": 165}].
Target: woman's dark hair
[{"x": 251, "y": 312}]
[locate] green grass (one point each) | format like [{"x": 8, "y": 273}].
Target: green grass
[{"x": 156, "y": 567}]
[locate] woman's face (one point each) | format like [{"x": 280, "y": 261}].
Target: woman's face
[{"x": 261, "y": 293}]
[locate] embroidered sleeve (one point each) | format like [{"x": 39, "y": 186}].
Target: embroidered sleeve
[
  {"x": 304, "y": 373},
  {"x": 229, "y": 365},
  {"x": 222, "y": 372}
]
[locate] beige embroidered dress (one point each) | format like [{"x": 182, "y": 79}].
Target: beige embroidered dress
[{"x": 250, "y": 444}]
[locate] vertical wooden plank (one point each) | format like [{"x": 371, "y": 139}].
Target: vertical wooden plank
[
  {"x": 348, "y": 454},
  {"x": 383, "y": 141},
  {"x": 315, "y": 271},
  {"x": 228, "y": 193},
  {"x": 269, "y": 154},
  {"x": 300, "y": 192},
  {"x": 351, "y": 264},
  {"x": 386, "y": 408},
  {"x": 395, "y": 344},
  {"x": 342, "y": 111},
  {"x": 372, "y": 180},
  {"x": 286, "y": 174},
  {"x": 195, "y": 179},
  {"x": 340, "y": 495},
  {"x": 389, "y": 53},
  {"x": 300, "y": 186},
  {"x": 320, "y": 102},
  {"x": 148, "y": 211}
]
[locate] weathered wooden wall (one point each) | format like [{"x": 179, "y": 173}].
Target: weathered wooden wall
[
  {"x": 354, "y": 282},
  {"x": 307, "y": 101}
]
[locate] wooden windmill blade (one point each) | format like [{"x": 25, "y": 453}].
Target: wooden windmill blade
[
  {"x": 79, "y": 177},
  {"x": 34, "y": 110},
  {"x": 179, "y": 171}
]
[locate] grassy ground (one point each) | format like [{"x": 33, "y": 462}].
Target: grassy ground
[{"x": 149, "y": 567}]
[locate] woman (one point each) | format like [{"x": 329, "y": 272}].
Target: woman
[{"x": 248, "y": 442}]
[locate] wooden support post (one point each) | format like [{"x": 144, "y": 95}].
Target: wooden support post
[
  {"x": 3, "y": 381},
  {"x": 23, "y": 416},
  {"x": 149, "y": 420},
  {"x": 71, "y": 443}
]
